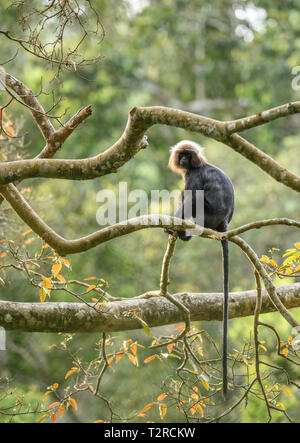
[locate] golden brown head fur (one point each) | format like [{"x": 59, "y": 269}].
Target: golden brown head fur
[{"x": 198, "y": 158}]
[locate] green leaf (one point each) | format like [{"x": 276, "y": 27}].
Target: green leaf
[{"x": 144, "y": 325}]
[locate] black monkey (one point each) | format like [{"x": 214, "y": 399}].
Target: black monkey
[{"x": 188, "y": 160}]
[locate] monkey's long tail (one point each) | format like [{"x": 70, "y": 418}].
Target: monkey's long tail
[{"x": 225, "y": 312}]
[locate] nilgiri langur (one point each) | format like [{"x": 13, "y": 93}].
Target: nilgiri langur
[{"x": 188, "y": 160}]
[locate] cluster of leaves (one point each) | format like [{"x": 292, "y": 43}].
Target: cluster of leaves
[
  {"x": 11, "y": 139},
  {"x": 6, "y": 127},
  {"x": 290, "y": 266},
  {"x": 194, "y": 394}
]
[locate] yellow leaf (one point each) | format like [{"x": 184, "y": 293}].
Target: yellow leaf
[
  {"x": 61, "y": 278},
  {"x": 109, "y": 361},
  {"x": 170, "y": 347},
  {"x": 290, "y": 260},
  {"x": 133, "y": 359},
  {"x": 144, "y": 325},
  {"x": 273, "y": 263},
  {"x": 193, "y": 409},
  {"x": 152, "y": 357},
  {"x": 56, "y": 269},
  {"x": 53, "y": 405},
  {"x": 297, "y": 245},
  {"x": 199, "y": 409},
  {"x": 162, "y": 410},
  {"x": 285, "y": 352},
  {"x": 47, "y": 283},
  {"x": 133, "y": 349},
  {"x": 289, "y": 252},
  {"x": 145, "y": 409},
  {"x": 204, "y": 382},
  {"x": 46, "y": 395},
  {"x": 27, "y": 242},
  {"x": 27, "y": 232},
  {"x": 73, "y": 403},
  {"x": 69, "y": 373},
  {"x": 162, "y": 396},
  {"x": 42, "y": 418},
  {"x": 119, "y": 356},
  {"x": 90, "y": 278},
  {"x": 90, "y": 288},
  {"x": 179, "y": 328},
  {"x": 264, "y": 259},
  {"x": 42, "y": 295},
  {"x": 61, "y": 410},
  {"x": 287, "y": 391},
  {"x": 65, "y": 262}
]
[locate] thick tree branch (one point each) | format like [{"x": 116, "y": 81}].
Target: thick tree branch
[
  {"x": 132, "y": 140},
  {"x": 156, "y": 311},
  {"x": 262, "y": 117},
  {"x": 65, "y": 247},
  {"x": 263, "y": 161}
]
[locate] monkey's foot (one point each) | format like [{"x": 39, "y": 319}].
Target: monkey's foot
[{"x": 183, "y": 236}]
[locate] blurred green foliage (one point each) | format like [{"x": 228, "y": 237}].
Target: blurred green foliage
[{"x": 223, "y": 59}]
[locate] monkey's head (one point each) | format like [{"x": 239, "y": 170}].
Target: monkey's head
[{"x": 186, "y": 155}]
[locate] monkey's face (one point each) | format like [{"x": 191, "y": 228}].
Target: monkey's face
[{"x": 185, "y": 160}]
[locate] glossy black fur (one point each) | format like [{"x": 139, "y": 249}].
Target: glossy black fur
[
  {"x": 218, "y": 212},
  {"x": 218, "y": 196}
]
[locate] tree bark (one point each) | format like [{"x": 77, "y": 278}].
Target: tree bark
[{"x": 155, "y": 311}]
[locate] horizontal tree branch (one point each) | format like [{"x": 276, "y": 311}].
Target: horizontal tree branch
[
  {"x": 132, "y": 140},
  {"x": 155, "y": 311},
  {"x": 65, "y": 247},
  {"x": 262, "y": 117}
]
